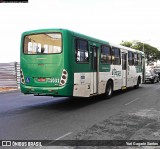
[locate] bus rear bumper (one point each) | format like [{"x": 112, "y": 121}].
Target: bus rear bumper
[{"x": 66, "y": 90}]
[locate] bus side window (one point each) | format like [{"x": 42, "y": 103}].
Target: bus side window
[
  {"x": 124, "y": 58},
  {"x": 139, "y": 59},
  {"x": 105, "y": 54},
  {"x": 81, "y": 51},
  {"x": 135, "y": 59},
  {"x": 116, "y": 54},
  {"x": 130, "y": 58}
]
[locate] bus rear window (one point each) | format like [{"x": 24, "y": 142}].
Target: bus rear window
[{"x": 43, "y": 43}]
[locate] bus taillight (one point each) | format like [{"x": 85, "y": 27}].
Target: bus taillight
[
  {"x": 63, "y": 77},
  {"x": 22, "y": 77}
]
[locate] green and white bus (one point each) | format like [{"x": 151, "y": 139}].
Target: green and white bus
[{"x": 60, "y": 62}]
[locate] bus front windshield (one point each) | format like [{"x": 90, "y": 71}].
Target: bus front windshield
[{"x": 44, "y": 43}]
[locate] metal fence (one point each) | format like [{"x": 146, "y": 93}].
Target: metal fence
[{"x": 10, "y": 74}]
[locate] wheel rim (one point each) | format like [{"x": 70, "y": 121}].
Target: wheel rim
[{"x": 109, "y": 90}]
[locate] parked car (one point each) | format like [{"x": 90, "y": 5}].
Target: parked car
[
  {"x": 157, "y": 71},
  {"x": 151, "y": 76}
]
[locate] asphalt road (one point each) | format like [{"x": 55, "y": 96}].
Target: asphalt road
[{"x": 132, "y": 114}]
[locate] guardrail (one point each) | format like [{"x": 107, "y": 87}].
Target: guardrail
[{"x": 10, "y": 74}]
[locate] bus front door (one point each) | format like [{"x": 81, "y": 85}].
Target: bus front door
[
  {"x": 94, "y": 60},
  {"x": 124, "y": 69}
]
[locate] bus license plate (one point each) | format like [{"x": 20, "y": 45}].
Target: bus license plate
[{"x": 41, "y": 79}]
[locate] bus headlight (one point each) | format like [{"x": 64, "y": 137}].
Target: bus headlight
[
  {"x": 22, "y": 77},
  {"x": 63, "y": 78}
]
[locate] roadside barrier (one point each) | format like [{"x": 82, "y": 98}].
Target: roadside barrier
[{"x": 10, "y": 74}]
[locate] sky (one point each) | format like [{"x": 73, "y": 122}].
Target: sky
[{"x": 110, "y": 20}]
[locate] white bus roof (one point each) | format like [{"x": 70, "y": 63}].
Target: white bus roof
[{"x": 125, "y": 48}]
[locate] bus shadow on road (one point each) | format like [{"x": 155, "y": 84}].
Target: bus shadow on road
[
  {"x": 67, "y": 104},
  {"x": 128, "y": 90},
  {"x": 73, "y": 103}
]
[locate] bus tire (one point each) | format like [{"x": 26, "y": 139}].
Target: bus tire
[
  {"x": 109, "y": 90},
  {"x": 138, "y": 82}
]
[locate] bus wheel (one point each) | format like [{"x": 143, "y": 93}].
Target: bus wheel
[
  {"x": 109, "y": 90},
  {"x": 137, "y": 86}
]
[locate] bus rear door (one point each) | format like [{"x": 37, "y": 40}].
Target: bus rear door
[
  {"x": 124, "y": 70},
  {"x": 94, "y": 65}
]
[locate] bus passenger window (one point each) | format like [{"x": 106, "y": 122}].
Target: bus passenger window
[
  {"x": 135, "y": 59},
  {"x": 81, "y": 51},
  {"x": 106, "y": 55},
  {"x": 124, "y": 62},
  {"x": 116, "y": 55},
  {"x": 130, "y": 58},
  {"x": 139, "y": 59}
]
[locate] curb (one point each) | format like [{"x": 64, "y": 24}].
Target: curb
[{"x": 10, "y": 91}]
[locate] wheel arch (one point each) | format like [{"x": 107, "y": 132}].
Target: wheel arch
[{"x": 139, "y": 79}]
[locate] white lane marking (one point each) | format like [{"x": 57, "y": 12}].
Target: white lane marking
[
  {"x": 64, "y": 136},
  {"x": 131, "y": 101}
]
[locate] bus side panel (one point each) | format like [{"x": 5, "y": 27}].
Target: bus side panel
[
  {"x": 69, "y": 55},
  {"x": 85, "y": 82},
  {"x": 105, "y": 73},
  {"x": 82, "y": 79}
]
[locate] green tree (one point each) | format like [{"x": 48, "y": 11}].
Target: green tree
[{"x": 152, "y": 54}]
